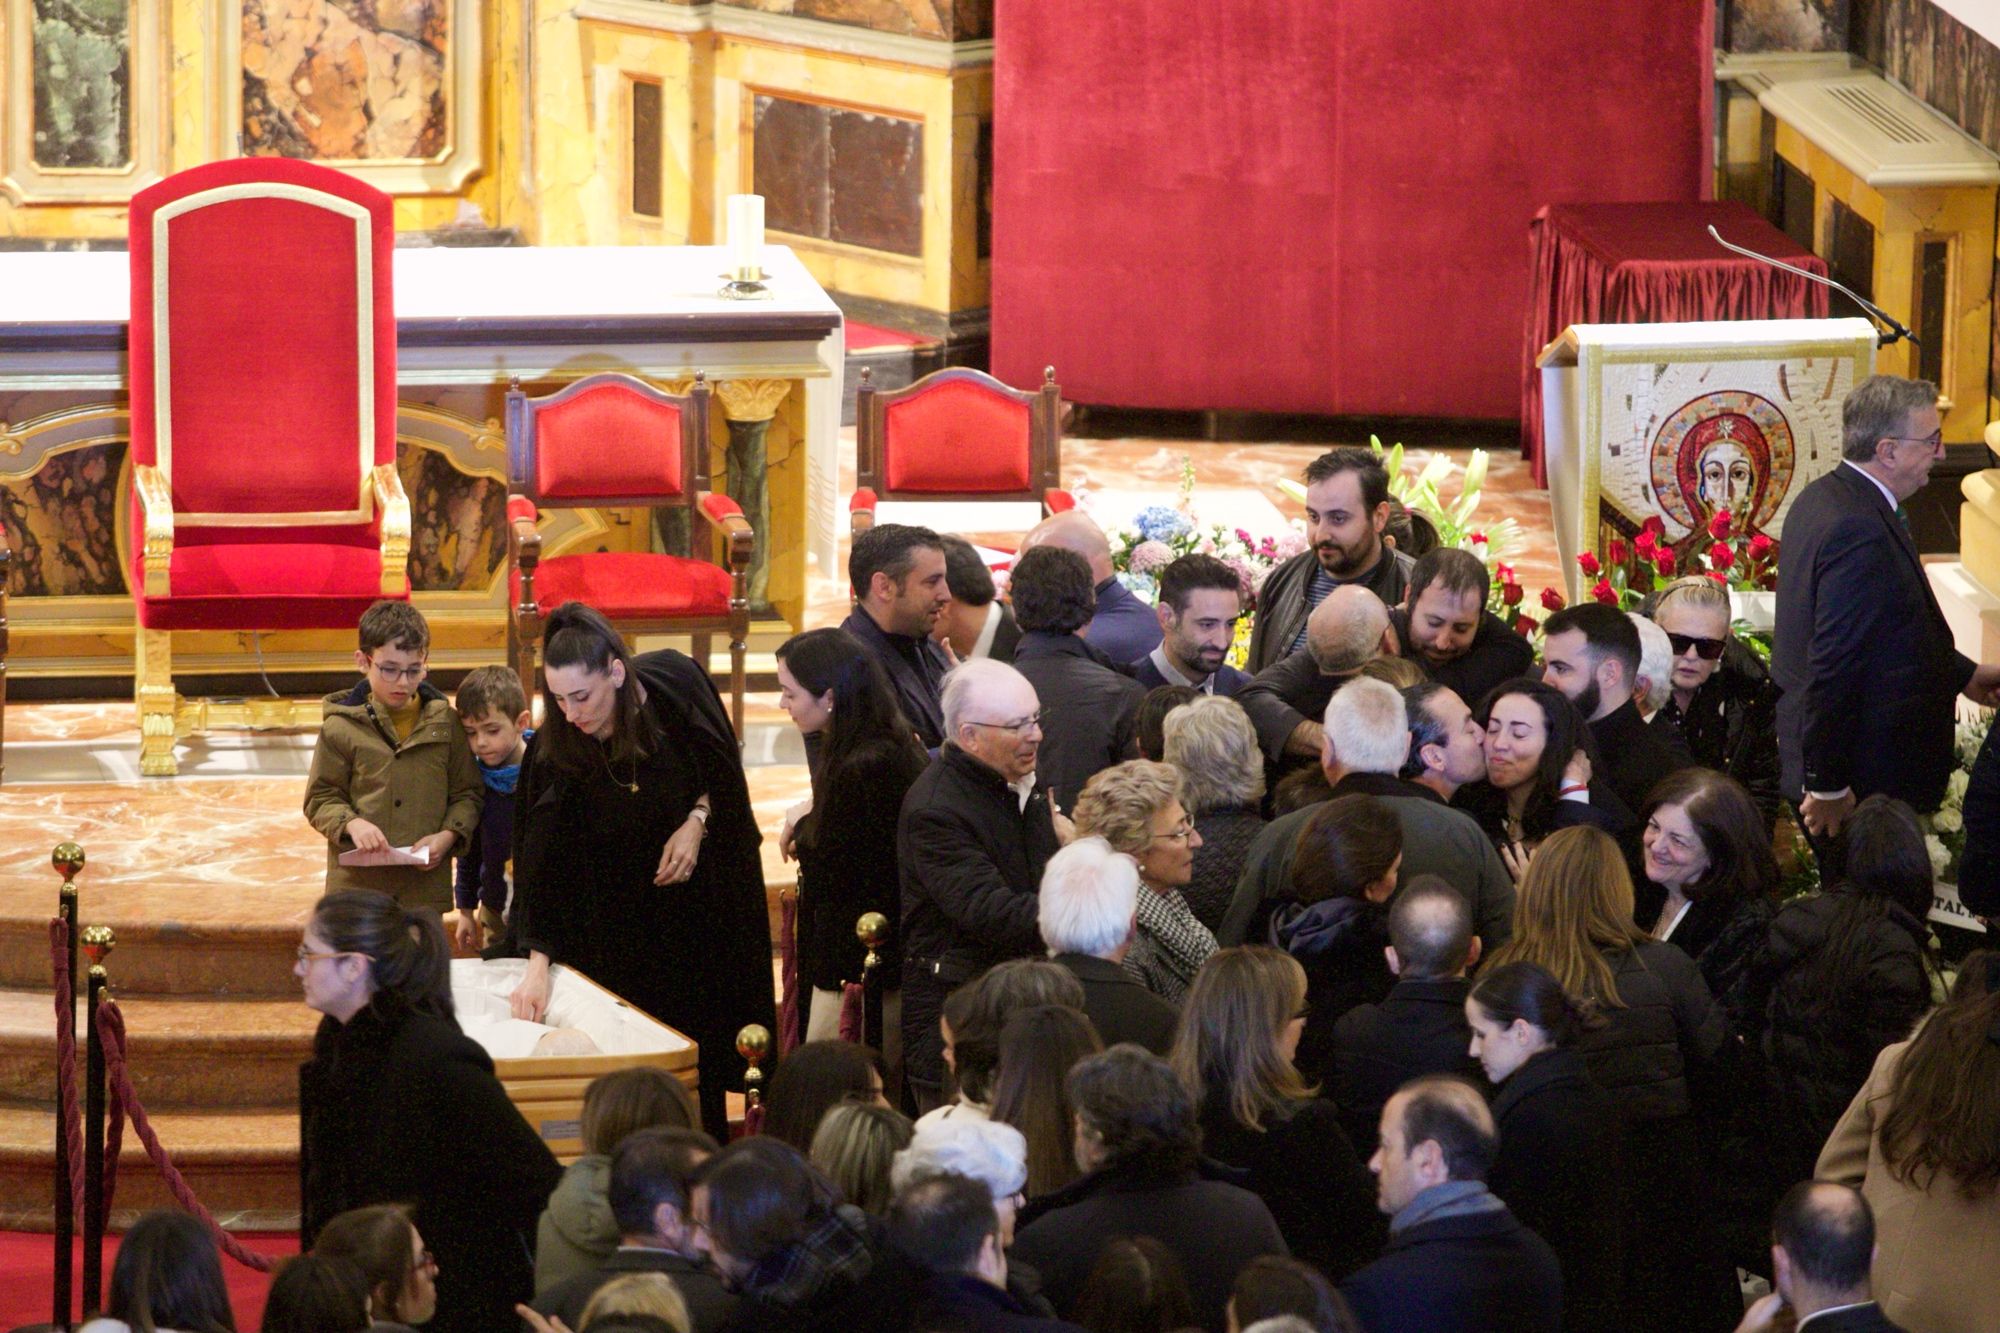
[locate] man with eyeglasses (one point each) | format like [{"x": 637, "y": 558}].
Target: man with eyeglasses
[
  {"x": 1862, "y": 653},
  {"x": 975, "y": 833}
]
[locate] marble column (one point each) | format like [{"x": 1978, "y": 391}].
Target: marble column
[{"x": 749, "y": 406}]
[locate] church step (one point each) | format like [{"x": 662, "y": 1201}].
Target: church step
[
  {"x": 173, "y": 937},
  {"x": 179, "y": 1049},
  {"x": 243, "y": 1165}
]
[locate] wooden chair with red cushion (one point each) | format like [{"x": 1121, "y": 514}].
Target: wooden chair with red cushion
[
  {"x": 263, "y": 415},
  {"x": 615, "y": 441},
  {"x": 957, "y": 434}
]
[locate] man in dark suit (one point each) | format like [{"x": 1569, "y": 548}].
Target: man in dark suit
[
  {"x": 1862, "y": 653},
  {"x": 1456, "y": 1258},
  {"x": 1444, "y": 627},
  {"x": 1122, "y": 628},
  {"x": 1591, "y": 653},
  {"x": 1089, "y": 902},
  {"x": 1420, "y": 1027},
  {"x": 898, "y": 576},
  {"x": 651, "y": 1179},
  {"x": 975, "y": 622},
  {"x": 1090, "y": 709},
  {"x": 1822, "y": 1246},
  {"x": 1286, "y": 700},
  {"x": 1200, "y": 603},
  {"x": 945, "y": 1229}
]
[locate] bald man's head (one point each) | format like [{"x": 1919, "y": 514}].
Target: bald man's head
[
  {"x": 1346, "y": 629},
  {"x": 1430, "y": 928},
  {"x": 1074, "y": 531},
  {"x": 1825, "y": 1237}
]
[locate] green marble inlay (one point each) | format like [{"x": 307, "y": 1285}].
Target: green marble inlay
[{"x": 83, "y": 82}]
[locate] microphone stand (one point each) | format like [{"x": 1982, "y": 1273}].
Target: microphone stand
[{"x": 1896, "y": 331}]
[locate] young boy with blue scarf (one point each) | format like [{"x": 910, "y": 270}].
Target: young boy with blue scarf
[{"x": 494, "y": 709}]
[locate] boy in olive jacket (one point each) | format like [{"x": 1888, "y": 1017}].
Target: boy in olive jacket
[{"x": 392, "y": 767}]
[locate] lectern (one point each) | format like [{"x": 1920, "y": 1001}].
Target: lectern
[{"x": 1679, "y": 421}]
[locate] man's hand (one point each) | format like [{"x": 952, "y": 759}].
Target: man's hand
[
  {"x": 365, "y": 836},
  {"x": 1065, "y": 826},
  {"x": 1823, "y": 818},
  {"x": 950, "y": 654},
  {"x": 438, "y": 845},
  {"x": 1984, "y": 687},
  {"x": 1767, "y": 1314},
  {"x": 539, "y": 1323},
  {"x": 465, "y": 931}
]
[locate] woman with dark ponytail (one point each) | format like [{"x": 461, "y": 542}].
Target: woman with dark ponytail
[
  {"x": 867, "y": 756},
  {"x": 398, "y": 1106},
  {"x": 1561, "y": 1162},
  {"x": 635, "y": 852}
]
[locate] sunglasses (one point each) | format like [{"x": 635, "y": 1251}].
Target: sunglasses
[{"x": 1707, "y": 649}]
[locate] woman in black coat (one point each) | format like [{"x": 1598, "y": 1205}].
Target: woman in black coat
[
  {"x": 1538, "y": 757},
  {"x": 1723, "y": 702},
  {"x": 398, "y": 1106},
  {"x": 1846, "y": 973},
  {"x": 1210, "y": 740},
  {"x": 867, "y": 755},
  {"x": 1239, "y": 1030},
  {"x": 635, "y": 851},
  {"x": 1561, "y": 1164},
  {"x": 1663, "y": 1040}
]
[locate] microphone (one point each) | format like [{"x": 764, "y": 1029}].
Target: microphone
[{"x": 1896, "y": 330}]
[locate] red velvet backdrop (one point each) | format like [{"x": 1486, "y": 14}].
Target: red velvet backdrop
[{"x": 1315, "y": 205}]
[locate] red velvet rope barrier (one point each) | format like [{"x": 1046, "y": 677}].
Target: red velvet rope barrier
[
  {"x": 788, "y": 971},
  {"x": 853, "y": 1021},
  {"x": 111, "y": 1030},
  {"x": 66, "y": 1103}
]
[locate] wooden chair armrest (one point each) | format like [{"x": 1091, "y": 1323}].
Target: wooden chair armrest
[
  {"x": 861, "y": 511},
  {"x": 394, "y": 506},
  {"x": 724, "y": 515},
  {"x": 156, "y": 509},
  {"x": 524, "y": 539}
]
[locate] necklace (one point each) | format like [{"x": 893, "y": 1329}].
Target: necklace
[{"x": 631, "y": 786}]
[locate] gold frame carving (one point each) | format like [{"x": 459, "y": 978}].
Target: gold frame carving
[
  {"x": 22, "y": 179},
  {"x": 464, "y": 153}
]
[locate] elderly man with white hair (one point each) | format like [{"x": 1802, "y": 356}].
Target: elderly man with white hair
[
  {"x": 973, "y": 837},
  {"x": 1367, "y": 741},
  {"x": 1090, "y": 897}
]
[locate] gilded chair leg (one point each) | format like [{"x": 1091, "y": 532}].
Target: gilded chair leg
[{"x": 153, "y": 691}]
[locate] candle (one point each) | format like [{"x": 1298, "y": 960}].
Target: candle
[{"x": 746, "y": 237}]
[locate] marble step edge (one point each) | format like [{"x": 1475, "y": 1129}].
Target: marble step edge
[
  {"x": 222, "y": 1024},
  {"x": 211, "y": 1139}
]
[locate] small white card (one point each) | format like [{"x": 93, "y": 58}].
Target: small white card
[{"x": 393, "y": 856}]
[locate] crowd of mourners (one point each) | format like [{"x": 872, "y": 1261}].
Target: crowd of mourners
[{"x": 1416, "y": 978}]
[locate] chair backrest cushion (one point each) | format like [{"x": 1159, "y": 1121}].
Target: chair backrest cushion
[
  {"x": 608, "y": 441},
  {"x": 263, "y": 340},
  {"x": 955, "y": 436}
]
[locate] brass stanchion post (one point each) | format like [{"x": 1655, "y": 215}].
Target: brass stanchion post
[
  {"x": 872, "y": 929},
  {"x": 68, "y": 860},
  {"x": 97, "y": 943},
  {"x": 753, "y": 1043}
]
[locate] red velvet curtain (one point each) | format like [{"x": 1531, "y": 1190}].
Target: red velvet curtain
[{"x": 1315, "y": 205}]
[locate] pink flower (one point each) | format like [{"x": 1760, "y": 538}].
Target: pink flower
[
  {"x": 1243, "y": 535},
  {"x": 1150, "y": 557},
  {"x": 1246, "y": 581},
  {"x": 1291, "y": 543}
]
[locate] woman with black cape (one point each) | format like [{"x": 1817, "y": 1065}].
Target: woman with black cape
[{"x": 635, "y": 851}]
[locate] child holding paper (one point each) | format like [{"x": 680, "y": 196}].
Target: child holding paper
[{"x": 393, "y": 768}]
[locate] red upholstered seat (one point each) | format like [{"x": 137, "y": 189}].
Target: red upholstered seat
[
  {"x": 630, "y": 585},
  {"x": 265, "y": 585}
]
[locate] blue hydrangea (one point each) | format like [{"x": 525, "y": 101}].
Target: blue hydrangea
[{"x": 1160, "y": 524}]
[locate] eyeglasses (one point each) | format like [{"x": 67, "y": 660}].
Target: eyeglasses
[
  {"x": 1032, "y": 722},
  {"x": 306, "y": 955},
  {"x": 410, "y": 674},
  {"x": 1707, "y": 649},
  {"x": 1181, "y": 832},
  {"x": 1931, "y": 443}
]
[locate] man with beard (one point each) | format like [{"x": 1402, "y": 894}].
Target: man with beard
[
  {"x": 1445, "y": 628},
  {"x": 1347, "y": 507},
  {"x": 1200, "y": 603},
  {"x": 1591, "y": 653},
  {"x": 1447, "y": 744},
  {"x": 898, "y": 576}
]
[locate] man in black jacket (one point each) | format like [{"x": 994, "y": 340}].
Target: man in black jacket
[
  {"x": 1591, "y": 653},
  {"x": 975, "y": 622},
  {"x": 946, "y": 1227},
  {"x": 1200, "y": 603},
  {"x": 1090, "y": 710},
  {"x": 1286, "y": 700},
  {"x": 1822, "y": 1247},
  {"x": 1865, "y": 661},
  {"x": 651, "y": 1182},
  {"x": 1444, "y": 627},
  {"x": 1420, "y": 1028},
  {"x": 973, "y": 838},
  {"x": 898, "y": 576},
  {"x": 1088, "y": 906},
  {"x": 1456, "y": 1258}
]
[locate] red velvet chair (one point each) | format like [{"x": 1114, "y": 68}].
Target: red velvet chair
[
  {"x": 957, "y": 434},
  {"x": 263, "y": 379},
  {"x": 613, "y": 440}
]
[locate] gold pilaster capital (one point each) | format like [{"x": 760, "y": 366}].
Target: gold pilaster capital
[{"x": 751, "y": 400}]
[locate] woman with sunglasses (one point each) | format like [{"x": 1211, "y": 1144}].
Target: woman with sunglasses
[
  {"x": 1723, "y": 701},
  {"x": 399, "y": 1106},
  {"x": 1137, "y": 808}
]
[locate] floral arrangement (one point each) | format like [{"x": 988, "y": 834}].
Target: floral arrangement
[
  {"x": 1946, "y": 838},
  {"x": 1158, "y": 535}
]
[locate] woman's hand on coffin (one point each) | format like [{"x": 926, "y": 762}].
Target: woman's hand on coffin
[{"x": 530, "y": 999}]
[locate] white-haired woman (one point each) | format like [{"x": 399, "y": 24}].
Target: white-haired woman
[
  {"x": 1137, "y": 808},
  {"x": 1723, "y": 703},
  {"x": 988, "y": 1151},
  {"x": 1212, "y": 743},
  {"x": 1089, "y": 899}
]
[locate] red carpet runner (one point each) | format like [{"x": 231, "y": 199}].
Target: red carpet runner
[{"x": 26, "y": 1258}]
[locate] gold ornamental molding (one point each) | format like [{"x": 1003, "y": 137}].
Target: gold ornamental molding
[{"x": 751, "y": 400}]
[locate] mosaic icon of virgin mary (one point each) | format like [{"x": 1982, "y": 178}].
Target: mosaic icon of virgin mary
[{"x": 1729, "y": 450}]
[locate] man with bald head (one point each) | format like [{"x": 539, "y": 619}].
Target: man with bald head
[
  {"x": 974, "y": 836},
  {"x": 1822, "y": 1248},
  {"x": 1420, "y": 1027},
  {"x": 1347, "y": 628},
  {"x": 1456, "y": 1258},
  {"x": 1123, "y": 628}
]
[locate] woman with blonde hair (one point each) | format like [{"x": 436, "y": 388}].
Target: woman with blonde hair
[
  {"x": 650, "y": 1294},
  {"x": 1239, "y": 1033},
  {"x": 1210, "y": 740},
  {"x": 1723, "y": 703},
  {"x": 855, "y": 1144},
  {"x": 1662, "y": 1030},
  {"x": 1137, "y": 807}
]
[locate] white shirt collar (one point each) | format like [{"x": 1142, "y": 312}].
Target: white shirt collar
[
  {"x": 1679, "y": 916},
  {"x": 1024, "y": 789},
  {"x": 1887, "y": 494},
  {"x": 1832, "y": 1309},
  {"x": 983, "y": 645},
  {"x": 1173, "y": 675}
]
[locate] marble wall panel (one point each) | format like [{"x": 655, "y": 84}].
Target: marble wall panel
[
  {"x": 876, "y": 177},
  {"x": 1936, "y": 57},
  {"x": 62, "y": 522},
  {"x": 954, "y": 20},
  {"x": 790, "y": 169},
  {"x": 458, "y": 524},
  {"x": 345, "y": 79},
  {"x": 82, "y": 73},
  {"x": 1783, "y": 25}
]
